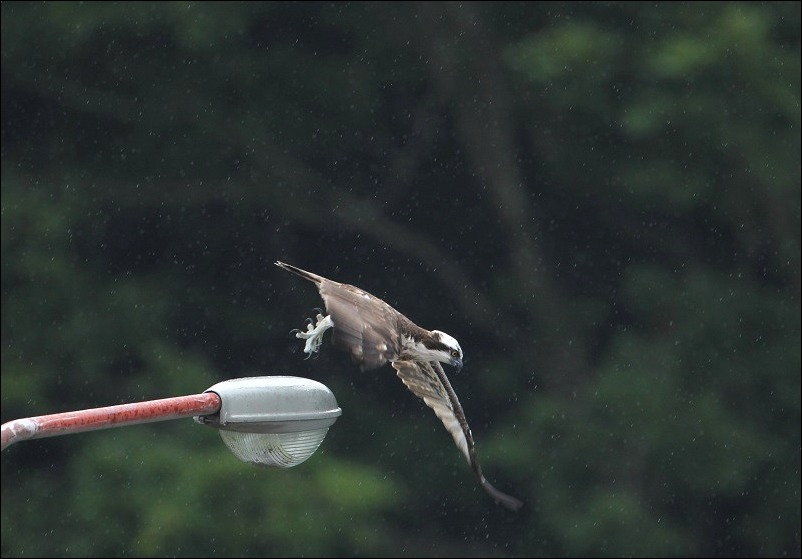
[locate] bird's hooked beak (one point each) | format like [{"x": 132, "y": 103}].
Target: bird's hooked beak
[{"x": 457, "y": 363}]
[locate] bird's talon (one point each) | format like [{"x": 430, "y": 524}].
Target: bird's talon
[{"x": 313, "y": 334}]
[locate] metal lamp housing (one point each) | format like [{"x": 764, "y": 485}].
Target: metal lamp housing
[{"x": 276, "y": 421}]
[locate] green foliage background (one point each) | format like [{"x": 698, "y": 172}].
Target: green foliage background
[{"x": 600, "y": 201}]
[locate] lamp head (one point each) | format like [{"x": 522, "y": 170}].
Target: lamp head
[{"x": 273, "y": 421}]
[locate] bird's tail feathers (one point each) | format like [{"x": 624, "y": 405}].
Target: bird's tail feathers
[{"x": 303, "y": 273}]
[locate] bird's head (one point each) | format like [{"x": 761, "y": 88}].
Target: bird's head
[{"x": 446, "y": 349}]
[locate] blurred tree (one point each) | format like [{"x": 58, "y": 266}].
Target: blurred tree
[{"x": 602, "y": 202}]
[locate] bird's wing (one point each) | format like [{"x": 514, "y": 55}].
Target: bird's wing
[
  {"x": 422, "y": 380},
  {"x": 364, "y": 325},
  {"x": 428, "y": 381}
]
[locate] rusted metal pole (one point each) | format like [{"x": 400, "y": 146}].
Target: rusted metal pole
[{"x": 111, "y": 416}]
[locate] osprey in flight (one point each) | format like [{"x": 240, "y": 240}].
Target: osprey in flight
[{"x": 375, "y": 333}]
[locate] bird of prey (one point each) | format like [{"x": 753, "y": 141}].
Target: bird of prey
[{"x": 375, "y": 333}]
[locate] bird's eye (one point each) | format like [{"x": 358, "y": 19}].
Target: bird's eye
[{"x": 454, "y": 353}]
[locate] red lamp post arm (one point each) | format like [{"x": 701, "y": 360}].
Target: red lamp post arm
[{"x": 111, "y": 416}]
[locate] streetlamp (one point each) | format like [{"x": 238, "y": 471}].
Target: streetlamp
[{"x": 269, "y": 421}]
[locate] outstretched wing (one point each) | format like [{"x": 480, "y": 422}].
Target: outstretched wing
[
  {"x": 421, "y": 379},
  {"x": 428, "y": 381}
]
